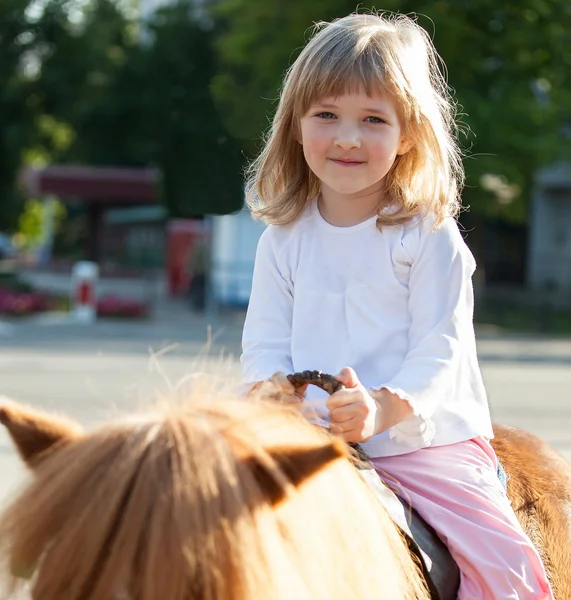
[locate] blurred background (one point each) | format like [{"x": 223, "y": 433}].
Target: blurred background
[{"x": 125, "y": 126}]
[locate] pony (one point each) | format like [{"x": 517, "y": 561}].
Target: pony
[
  {"x": 539, "y": 487},
  {"x": 232, "y": 500},
  {"x": 217, "y": 500}
]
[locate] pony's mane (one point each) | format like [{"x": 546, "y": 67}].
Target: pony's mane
[{"x": 225, "y": 500}]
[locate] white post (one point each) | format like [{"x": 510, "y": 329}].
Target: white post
[{"x": 83, "y": 291}]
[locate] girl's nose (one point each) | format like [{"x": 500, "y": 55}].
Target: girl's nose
[{"x": 347, "y": 138}]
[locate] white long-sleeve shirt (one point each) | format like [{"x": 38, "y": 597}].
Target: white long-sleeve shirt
[{"x": 395, "y": 305}]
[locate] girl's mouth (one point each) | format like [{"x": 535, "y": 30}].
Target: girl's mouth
[{"x": 346, "y": 163}]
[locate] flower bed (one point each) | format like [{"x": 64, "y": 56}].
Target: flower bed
[
  {"x": 16, "y": 303},
  {"x": 114, "y": 306}
]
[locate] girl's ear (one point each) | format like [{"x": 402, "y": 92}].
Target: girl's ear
[
  {"x": 34, "y": 432},
  {"x": 405, "y": 145}
]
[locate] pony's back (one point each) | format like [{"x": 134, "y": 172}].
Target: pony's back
[{"x": 219, "y": 501}]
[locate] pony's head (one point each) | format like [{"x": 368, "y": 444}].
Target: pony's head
[{"x": 232, "y": 500}]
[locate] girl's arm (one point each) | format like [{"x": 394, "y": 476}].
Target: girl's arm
[
  {"x": 441, "y": 310},
  {"x": 266, "y": 345}
]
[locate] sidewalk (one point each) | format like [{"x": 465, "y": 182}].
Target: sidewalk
[{"x": 173, "y": 321}]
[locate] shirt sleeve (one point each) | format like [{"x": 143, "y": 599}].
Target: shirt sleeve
[
  {"x": 266, "y": 338},
  {"x": 441, "y": 311}
]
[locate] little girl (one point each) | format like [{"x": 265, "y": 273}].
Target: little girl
[{"x": 363, "y": 272}]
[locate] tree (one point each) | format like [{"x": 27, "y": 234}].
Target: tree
[
  {"x": 80, "y": 84},
  {"x": 77, "y": 86},
  {"x": 133, "y": 104},
  {"x": 200, "y": 161},
  {"x": 17, "y": 103},
  {"x": 52, "y": 67}
]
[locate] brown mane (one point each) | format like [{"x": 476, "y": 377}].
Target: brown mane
[{"x": 220, "y": 501}]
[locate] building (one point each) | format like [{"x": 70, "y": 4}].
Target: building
[{"x": 549, "y": 256}]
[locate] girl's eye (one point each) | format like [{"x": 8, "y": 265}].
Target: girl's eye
[
  {"x": 325, "y": 115},
  {"x": 375, "y": 120}
]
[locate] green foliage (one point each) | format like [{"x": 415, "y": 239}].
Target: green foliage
[
  {"x": 31, "y": 221},
  {"x": 92, "y": 93},
  {"x": 79, "y": 81},
  {"x": 133, "y": 104},
  {"x": 50, "y": 61},
  {"x": 508, "y": 63},
  {"x": 17, "y": 40},
  {"x": 200, "y": 163}
]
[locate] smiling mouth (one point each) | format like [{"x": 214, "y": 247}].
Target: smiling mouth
[{"x": 347, "y": 163}]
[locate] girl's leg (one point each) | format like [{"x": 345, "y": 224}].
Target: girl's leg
[{"x": 456, "y": 490}]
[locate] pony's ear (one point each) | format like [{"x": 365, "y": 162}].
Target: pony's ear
[
  {"x": 34, "y": 432},
  {"x": 298, "y": 465}
]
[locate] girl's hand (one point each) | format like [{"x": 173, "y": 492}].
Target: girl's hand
[
  {"x": 279, "y": 389},
  {"x": 354, "y": 414},
  {"x": 288, "y": 393}
]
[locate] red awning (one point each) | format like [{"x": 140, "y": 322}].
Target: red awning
[{"x": 93, "y": 183}]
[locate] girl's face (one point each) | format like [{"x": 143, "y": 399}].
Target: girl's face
[{"x": 350, "y": 142}]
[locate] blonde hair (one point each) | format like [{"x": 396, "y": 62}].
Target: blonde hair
[
  {"x": 377, "y": 53},
  {"x": 205, "y": 502}
]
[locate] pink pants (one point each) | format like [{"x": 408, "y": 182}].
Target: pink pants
[{"x": 456, "y": 490}]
